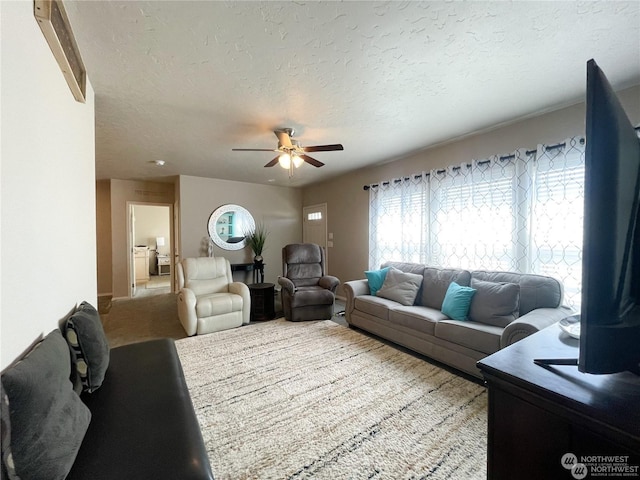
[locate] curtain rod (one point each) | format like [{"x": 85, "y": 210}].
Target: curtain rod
[{"x": 481, "y": 162}]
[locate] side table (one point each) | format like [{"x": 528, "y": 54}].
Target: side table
[
  {"x": 163, "y": 261},
  {"x": 262, "y": 301}
]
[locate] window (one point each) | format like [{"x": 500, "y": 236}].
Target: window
[{"x": 522, "y": 212}]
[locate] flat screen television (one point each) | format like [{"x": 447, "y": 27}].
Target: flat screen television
[{"x": 610, "y": 309}]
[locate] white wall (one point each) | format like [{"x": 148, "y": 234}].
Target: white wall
[
  {"x": 279, "y": 208},
  {"x": 48, "y": 229},
  {"x": 152, "y": 221}
]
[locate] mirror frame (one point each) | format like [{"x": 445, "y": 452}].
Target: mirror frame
[{"x": 213, "y": 222}]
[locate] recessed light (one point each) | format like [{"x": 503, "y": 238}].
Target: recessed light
[{"x": 158, "y": 163}]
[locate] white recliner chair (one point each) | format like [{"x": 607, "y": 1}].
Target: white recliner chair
[{"x": 209, "y": 300}]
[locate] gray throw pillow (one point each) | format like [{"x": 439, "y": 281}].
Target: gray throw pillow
[
  {"x": 48, "y": 420},
  {"x": 436, "y": 283},
  {"x": 496, "y": 304},
  {"x": 8, "y": 470},
  {"x": 89, "y": 346},
  {"x": 400, "y": 286}
]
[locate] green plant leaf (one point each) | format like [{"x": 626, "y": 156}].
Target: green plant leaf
[{"x": 257, "y": 238}]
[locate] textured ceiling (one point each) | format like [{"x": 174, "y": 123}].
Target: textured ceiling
[{"x": 186, "y": 82}]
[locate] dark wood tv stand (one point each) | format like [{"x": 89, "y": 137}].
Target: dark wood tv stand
[{"x": 538, "y": 414}]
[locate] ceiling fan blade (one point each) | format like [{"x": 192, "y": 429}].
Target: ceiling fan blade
[
  {"x": 324, "y": 148},
  {"x": 311, "y": 161},
  {"x": 272, "y": 162},
  {"x": 253, "y": 150},
  {"x": 283, "y": 138}
]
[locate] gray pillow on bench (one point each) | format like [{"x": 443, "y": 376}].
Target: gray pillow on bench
[
  {"x": 48, "y": 420},
  {"x": 89, "y": 347}
]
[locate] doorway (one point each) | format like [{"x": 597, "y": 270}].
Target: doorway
[
  {"x": 314, "y": 227},
  {"x": 150, "y": 248}
]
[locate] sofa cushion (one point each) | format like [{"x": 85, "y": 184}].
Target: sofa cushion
[
  {"x": 436, "y": 282},
  {"x": 457, "y": 301},
  {"x": 536, "y": 291},
  {"x": 312, "y": 295},
  {"x": 89, "y": 346},
  {"x": 401, "y": 287},
  {"x": 494, "y": 303},
  {"x": 204, "y": 275},
  {"x": 374, "y": 306},
  {"x": 376, "y": 279},
  {"x": 48, "y": 419},
  {"x": 422, "y": 319},
  {"x": 217, "y": 304},
  {"x": 476, "y": 336},
  {"x": 417, "y": 268},
  {"x": 143, "y": 424}
]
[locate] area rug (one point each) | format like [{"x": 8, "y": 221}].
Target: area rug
[{"x": 317, "y": 399}]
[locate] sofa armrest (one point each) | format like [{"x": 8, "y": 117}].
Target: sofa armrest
[
  {"x": 531, "y": 323},
  {"x": 287, "y": 285},
  {"x": 352, "y": 289},
  {"x": 329, "y": 282},
  {"x": 187, "y": 310},
  {"x": 241, "y": 289}
]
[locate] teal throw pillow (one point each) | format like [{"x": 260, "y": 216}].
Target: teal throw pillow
[
  {"x": 376, "y": 279},
  {"x": 457, "y": 301}
]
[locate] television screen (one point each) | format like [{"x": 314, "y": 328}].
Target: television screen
[{"x": 610, "y": 312}]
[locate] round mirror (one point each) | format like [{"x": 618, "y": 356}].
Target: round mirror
[{"x": 228, "y": 226}]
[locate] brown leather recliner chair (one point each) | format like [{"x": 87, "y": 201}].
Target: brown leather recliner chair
[{"x": 307, "y": 292}]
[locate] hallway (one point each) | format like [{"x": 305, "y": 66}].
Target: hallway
[{"x": 157, "y": 285}]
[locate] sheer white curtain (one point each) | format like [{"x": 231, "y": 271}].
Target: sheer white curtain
[
  {"x": 557, "y": 215},
  {"x": 520, "y": 212},
  {"x": 472, "y": 225},
  {"x": 398, "y": 220}
]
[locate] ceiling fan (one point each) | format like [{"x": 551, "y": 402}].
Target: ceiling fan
[{"x": 291, "y": 153}]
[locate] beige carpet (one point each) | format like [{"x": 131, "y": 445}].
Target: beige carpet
[
  {"x": 317, "y": 399},
  {"x": 147, "y": 317},
  {"x": 139, "y": 319}
]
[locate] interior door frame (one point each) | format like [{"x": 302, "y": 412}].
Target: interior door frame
[
  {"x": 131, "y": 265},
  {"x": 130, "y": 243}
]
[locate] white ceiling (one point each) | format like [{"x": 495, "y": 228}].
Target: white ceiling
[{"x": 186, "y": 81}]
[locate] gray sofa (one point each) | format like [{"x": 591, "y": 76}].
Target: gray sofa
[{"x": 505, "y": 308}]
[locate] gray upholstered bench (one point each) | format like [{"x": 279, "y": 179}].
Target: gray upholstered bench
[{"x": 133, "y": 420}]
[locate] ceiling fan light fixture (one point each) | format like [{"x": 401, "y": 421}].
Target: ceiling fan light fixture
[
  {"x": 285, "y": 160},
  {"x": 291, "y": 154},
  {"x": 297, "y": 160}
]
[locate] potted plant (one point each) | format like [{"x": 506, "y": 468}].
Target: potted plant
[{"x": 256, "y": 240}]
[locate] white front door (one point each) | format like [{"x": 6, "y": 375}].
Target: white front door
[{"x": 314, "y": 227}]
